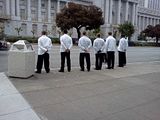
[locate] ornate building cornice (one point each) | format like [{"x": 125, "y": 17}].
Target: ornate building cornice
[{"x": 148, "y": 11}]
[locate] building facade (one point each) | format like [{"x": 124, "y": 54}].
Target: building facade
[
  {"x": 37, "y": 15},
  {"x": 31, "y": 16},
  {"x": 148, "y": 14}
]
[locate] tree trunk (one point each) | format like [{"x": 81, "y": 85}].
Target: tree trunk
[
  {"x": 78, "y": 32},
  {"x": 157, "y": 41}
]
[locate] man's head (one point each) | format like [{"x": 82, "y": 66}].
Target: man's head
[
  {"x": 122, "y": 36},
  {"x": 44, "y": 33},
  {"x": 109, "y": 33},
  {"x": 84, "y": 33},
  {"x": 65, "y": 31},
  {"x": 98, "y": 35}
]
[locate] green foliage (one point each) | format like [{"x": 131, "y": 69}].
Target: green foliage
[
  {"x": 142, "y": 37},
  {"x": 152, "y": 31},
  {"x": 18, "y": 29},
  {"x": 127, "y": 29},
  {"x": 13, "y": 39},
  {"x": 78, "y": 16}
]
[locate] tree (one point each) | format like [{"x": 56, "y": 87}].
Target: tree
[
  {"x": 156, "y": 32},
  {"x": 127, "y": 29},
  {"x": 152, "y": 31},
  {"x": 33, "y": 33},
  {"x": 18, "y": 29},
  {"x": 78, "y": 16}
]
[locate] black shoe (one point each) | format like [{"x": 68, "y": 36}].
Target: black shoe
[
  {"x": 120, "y": 66},
  {"x": 81, "y": 69},
  {"x": 38, "y": 72},
  {"x": 61, "y": 71},
  {"x": 96, "y": 69},
  {"x": 69, "y": 70},
  {"x": 108, "y": 68},
  {"x": 88, "y": 70}
]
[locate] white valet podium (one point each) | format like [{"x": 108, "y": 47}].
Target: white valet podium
[{"x": 21, "y": 59}]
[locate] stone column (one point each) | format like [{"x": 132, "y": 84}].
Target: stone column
[
  {"x": 126, "y": 14},
  {"x": 29, "y": 9},
  {"x": 139, "y": 23},
  {"x": 136, "y": 14},
  {"x": 143, "y": 24},
  {"x": 151, "y": 22},
  {"x": 106, "y": 11},
  {"x": 119, "y": 12},
  {"x": 17, "y": 8},
  {"x": 58, "y": 6},
  {"x": 110, "y": 11},
  {"x": 49, "y": 10},
  {"x": 154, "y": 21},
  {"x": 39, "y": 11},
  {"x": 7, "y": 7},
  {"x": 13, "y": 8},
  {"x": 147, "y": 21},
  {"x": 133, "y": 14}
]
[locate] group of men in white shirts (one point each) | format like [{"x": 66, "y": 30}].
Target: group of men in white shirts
[{"x": 101, "y": 48}]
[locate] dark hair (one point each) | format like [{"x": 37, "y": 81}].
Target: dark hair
[
  {"x": 122, "y": 35},
  {"x": 44, "y": 33},
  {"x": 84, "y": 32},
  {"x": 109, "y": 33},
  {"x": 98, "y": 35},
  {"x": 65, "y": 31}
]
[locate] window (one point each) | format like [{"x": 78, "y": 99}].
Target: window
[
  {"x": 34, "y": 29},
  {"x": 62, "y": 4},
  {"x": 24, "y": 29},
  {"x": 44, "y": 27},
  {"x": 52, "y": 4},
  {"x": 43, "y": 4},
  {"x": 34, "y": 3},
  {"x": 23, "y": 14},
  {"x": 52, "y": 17},
  {"x": 33, "y": 15},
  {"x": 44, "y": 16},
  {"x": 23, "y": 2},
  {"x": 1, "y": 10}
]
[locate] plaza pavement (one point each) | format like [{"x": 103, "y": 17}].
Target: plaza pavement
[{"x": 129, "y": 93}]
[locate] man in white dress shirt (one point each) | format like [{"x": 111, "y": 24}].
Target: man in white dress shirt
[
  {"x": 66, "y": 44},
  {"x": 122, "y": 47},
  {"x": 84, "y": 44},
  {"x": 44, "y": 46},
  {"x": 110, "y": 49},
  {"x": 98, "y": 46}
]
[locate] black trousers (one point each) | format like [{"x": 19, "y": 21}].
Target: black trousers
[
  {"x": 99, "y": 60},
  {"x": 43, "y": 58},
  {"x": 111, "y": 58},
  {"x": 81, "y": 61},
  {"x": 125, "y": 59},
  {"x": 65, "y": 55},
  {"x": 122, "y": 58}
]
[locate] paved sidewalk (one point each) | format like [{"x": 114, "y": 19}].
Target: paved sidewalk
[{"x": 129, "y": 93}]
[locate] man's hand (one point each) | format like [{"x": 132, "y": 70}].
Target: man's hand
[
  {"x": 46, "y": 51},
  {"x": 67, "y": 50}
]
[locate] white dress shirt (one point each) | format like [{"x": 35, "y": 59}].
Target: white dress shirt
[
  {"x": 44, "y": 44},
  {"x": 110, "y": 44},
  {"x": 85, "y": 44},
  {"x": 66, "y": 42},
  {"x": 98, "y": 44},
  {"x": 123, "y": 44}
]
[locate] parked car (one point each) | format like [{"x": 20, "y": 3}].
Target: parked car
[{"x": 4, "y": 45}]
